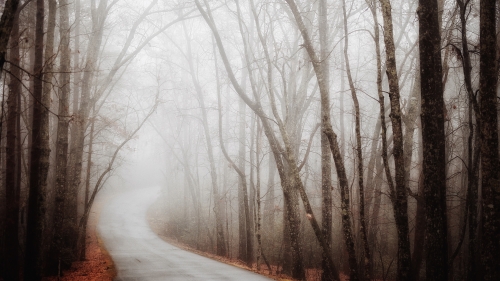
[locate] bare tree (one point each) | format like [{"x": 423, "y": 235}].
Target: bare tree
[
  {"x": 332, "y": 138},
  {"x": 490, "y": 248},
  {"x": 39, "y": 160},
  {"x": 219, "y": 227},
  {"x": 399, "y": 193},
  {"x": 13, "y": 186},
  {"x": 62, "y": 142},
  {"x": 433, "y": 137},
  {"x": 326, "y": 160}
]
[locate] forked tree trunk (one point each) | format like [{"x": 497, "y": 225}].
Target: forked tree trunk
[
  {"x": 383, "y": 153},
  {"x": 292, "y": 257},
  {"x": 367, "y": 259},
  {"x": 334, "y": 147},
  {"x": 399, "y": 193},
  {"x": 472, "y": 152},
  {"x": 281, "y": 155}
]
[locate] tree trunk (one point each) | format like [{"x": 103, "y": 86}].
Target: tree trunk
[
  {"x": 383, "y": 153},
  {"x": 326, "y": 160},
  {"x": 490, "y": 189},
  {"x": 281, "y": 155},
  {"x": 359, "y": 151},
  {"x": 472, "y": 152},
  {"x": 78, "y": 136},
  {"x": 399, "y": 194},
  {"x": 82, "y": 233},
  {"x": 242, "y": 239},
  {"x": 433, "y": 141},
  {"x": 38, "y": 168},
  {"x": 334, "y": 147},
  {"x": 12, "y": 185},
  {"x": 48, "y": 70},
  {"x": 420, "y": 230},
  {"x": 270, "y": 194},
  {"x": 241, "y": 175},
  {"x": 472, "y": 193},
  {"x": 60, "y": 190},
  {"x": 410, "y": 120}
]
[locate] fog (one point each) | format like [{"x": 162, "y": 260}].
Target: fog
[{"x": 316, "y": 140}]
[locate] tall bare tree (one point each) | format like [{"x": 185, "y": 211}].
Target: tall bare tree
[
  {"x": 332, "y": 138},
  {"x": 490, "y": 188},
  {"x": 398, "y": 193},
  {"x": 326, "y": 158},
  {"x": 62, "y": 142},
  {"x": 433, "y": 138},
  {"x": 12, "y": 184},
  {"x": 33, "y": 265},
  {"x": 359, "y": 151}
]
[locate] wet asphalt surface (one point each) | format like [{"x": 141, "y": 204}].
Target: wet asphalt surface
[{"x": 139, "y": 254}]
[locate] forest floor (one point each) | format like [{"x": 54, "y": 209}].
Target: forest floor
[
  {"x": 312, "y": 274},
  {"x": 98, "y": 265}
]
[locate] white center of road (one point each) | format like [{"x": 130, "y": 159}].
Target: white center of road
[{"x": 139, "y": 254}]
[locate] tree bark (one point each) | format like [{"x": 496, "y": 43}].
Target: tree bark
[
  {"x": 433, "y": 141},
  {"x": 326, "y": 160},
  {"x": 399, "y": 194},
  {"x": 490, "y": 189},
  {"x": 62, "y": 143},
  {"x": 75, "y": 160},
  {"x": 420, "y": 230},
  {"x": 82, "y": 233},
  {"x": 12, "y": 184},
  {"x": 242, "y": 185},
  {"x": 359, "y": 151},
  {"x": 33, "y": 266},
  {"x": 48, "y": 85},
  {"x": 472, "y": 152}
]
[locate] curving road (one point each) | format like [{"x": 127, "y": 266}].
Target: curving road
[{"x": 139, "y": 254}]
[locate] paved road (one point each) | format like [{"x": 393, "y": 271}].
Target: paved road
[{"x": 139, "y": 254}]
